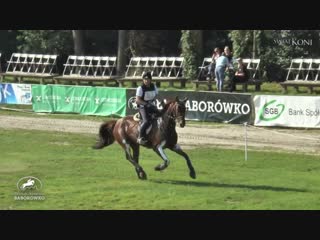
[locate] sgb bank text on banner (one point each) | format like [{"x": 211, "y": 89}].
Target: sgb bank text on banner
[{"x": 287, "y": 111}]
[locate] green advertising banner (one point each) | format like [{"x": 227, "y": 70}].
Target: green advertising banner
[{"x": 78, "y": 99}]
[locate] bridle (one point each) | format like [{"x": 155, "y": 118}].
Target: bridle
[{"x": 173, "y": 113}]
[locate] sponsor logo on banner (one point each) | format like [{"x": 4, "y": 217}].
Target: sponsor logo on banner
[
  {"x": 271, "y": 111},
  {"x": 204, "y": 106},
  {"x": 287, "y": 111},
  {"x": 12, "y": 93}
]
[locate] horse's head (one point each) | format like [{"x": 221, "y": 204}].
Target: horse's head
[{"x": 177, "y": 110}]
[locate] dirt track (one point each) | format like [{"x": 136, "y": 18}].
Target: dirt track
[{"x": 293, "y": 140}]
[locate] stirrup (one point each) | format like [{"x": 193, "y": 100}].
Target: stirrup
[
  {"x": 142, "y": 141},
  {"x": 137, "y": 117}
]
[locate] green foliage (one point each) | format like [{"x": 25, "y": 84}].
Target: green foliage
[
  {"x": 8, "y": 43},
  {"x": 242, "y": 42},
  {"x": 190, "y": 54},
  {"x": 102, "y": 42},
  {"x": 275, "y": 48},
  {"x": 277, "y": 55},
  {"x": 45, "y": 41},
  {"x": 148, "y": 42},
  {"x": 215, "y": 38}
]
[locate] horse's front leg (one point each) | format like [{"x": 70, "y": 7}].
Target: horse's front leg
[
  {"x": 179, "y": 151},
  {"x": 159, "y": 150},
  {"x": 136, "y": 150}
]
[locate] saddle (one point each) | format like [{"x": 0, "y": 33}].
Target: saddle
[
  {"x": 154, "y": 120},
  {"x": 153, "y": 114},
  {"x": 137, "y": 117}
]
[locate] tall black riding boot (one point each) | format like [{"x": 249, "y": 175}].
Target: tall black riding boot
[{"x": 142, "y": 134}]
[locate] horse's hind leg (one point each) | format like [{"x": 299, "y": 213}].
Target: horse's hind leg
[
  {"x": 134, "y": 160},
  {"x": 179, "y": 151}
]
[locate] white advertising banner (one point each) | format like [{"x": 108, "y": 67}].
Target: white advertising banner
[
  {"x": 287, "y": 111},
  {"x": 11, "y": 93}
]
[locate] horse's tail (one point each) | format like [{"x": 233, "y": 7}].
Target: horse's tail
[{"x": 106, "y": 137}]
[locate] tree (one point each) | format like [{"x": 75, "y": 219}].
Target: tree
[
  {"x": 122, "y": 48},
  {"x": 213, "y": 39},
  {"x": 8, "y": 41},
  {"x": 148, "y": 42},
  {"x": 79, "y": 40},
  {"x": 198, "y": 35},
  {"x": 190, "y": 51},
  {"x": 102, "y": 42},
  {"x": 8, "y": 45},
  {"x": 246, "y": 43},
  {"x": 45, "y": 41},
  {"x": 275, "y": 48},
  {"x": 280, "y": 46}
]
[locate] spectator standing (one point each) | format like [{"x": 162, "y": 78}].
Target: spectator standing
[{"x": 221, "y": 66}]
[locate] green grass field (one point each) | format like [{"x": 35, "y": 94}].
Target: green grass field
[{"x": 76, "y": 177}]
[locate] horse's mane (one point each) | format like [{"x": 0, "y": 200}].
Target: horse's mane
[{"x": 167, "y": 105}]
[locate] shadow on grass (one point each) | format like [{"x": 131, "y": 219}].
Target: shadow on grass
[{"x": 226, "y": 185}]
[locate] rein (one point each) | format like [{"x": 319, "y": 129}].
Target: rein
[{"x": 172, "y": 113}]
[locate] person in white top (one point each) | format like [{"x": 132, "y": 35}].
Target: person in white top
[
  {"x": 145, "y": 95},
  {"x": 216, "y": 54}
]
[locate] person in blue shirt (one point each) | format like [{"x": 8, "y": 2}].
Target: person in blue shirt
[
  {"x": 230, "y": 69},
  {"x": 222, "y": 63}
]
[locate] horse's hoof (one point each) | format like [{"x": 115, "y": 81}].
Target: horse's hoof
[
  {"x": 142, "y": 175},
  {"x": 98, "y": 145},
  {"x": 157, "y": 168},
  {"x": 193, "y": 175},
  {"x": 161, "y": 167}
]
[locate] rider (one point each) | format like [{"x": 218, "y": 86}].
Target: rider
[{"x": 145, "y": 95}]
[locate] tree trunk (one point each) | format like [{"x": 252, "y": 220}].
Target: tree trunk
[
  {"x": 122, "y": 47},
  {"x": 79, "y": 40},
  {"x": 198, "y": 34},
  {"x": 254, "y": 45}
]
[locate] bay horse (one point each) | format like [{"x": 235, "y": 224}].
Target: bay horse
[{"x": 162, "y": 135}]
